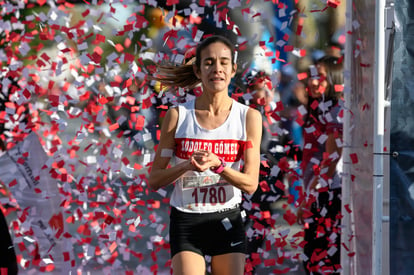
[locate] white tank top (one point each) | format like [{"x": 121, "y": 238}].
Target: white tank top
[{"x": 205, "y": 192}]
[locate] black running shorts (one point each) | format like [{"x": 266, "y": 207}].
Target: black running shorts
[{"x": 207, "y": 233}]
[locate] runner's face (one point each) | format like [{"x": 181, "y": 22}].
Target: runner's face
[
  {"x": 216, "y": 69},
  {"x": 318, "y": 84}
]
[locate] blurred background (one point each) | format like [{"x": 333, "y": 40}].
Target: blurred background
[{"x": 76, "y": 74}]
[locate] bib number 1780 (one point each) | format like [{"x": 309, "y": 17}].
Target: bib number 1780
[{"x": 211, "y": 195}]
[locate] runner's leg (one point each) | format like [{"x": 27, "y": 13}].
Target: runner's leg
[
  {"x": 187, "y": 262},
  {"x": 228, "y": 264}
]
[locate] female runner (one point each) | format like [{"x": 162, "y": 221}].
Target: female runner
[{"x": 214, "y": 143}]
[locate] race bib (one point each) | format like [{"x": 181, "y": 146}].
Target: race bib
[{"x": 207, "y": 192}]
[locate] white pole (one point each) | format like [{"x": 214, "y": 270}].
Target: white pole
[
  {"x": 346, "y": 222},
  {"x": 378, "y": 142}
]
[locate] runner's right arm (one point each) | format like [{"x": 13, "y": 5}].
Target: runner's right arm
[{"x": 161, "y": 175}]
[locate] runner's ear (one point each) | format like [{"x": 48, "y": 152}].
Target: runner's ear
[{"x": 234, "y": 70}]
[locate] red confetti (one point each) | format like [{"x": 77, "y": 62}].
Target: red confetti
[
  {"x": 347, "y": 208},
  {"x": 333, "y": 3},
  {"x": 290, "y": 217},
  {"x": 354, "y": 158}
]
